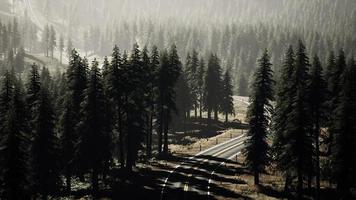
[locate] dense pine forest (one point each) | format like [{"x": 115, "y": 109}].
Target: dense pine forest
[{"x": 96, "y": 95}]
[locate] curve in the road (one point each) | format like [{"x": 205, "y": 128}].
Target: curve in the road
[{"x": 213, "y": 151}]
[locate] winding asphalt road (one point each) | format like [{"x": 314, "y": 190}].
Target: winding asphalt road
[{"x": 193, "y": 179}]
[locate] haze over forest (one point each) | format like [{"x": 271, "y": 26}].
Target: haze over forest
[{"x": 236, "y": 30}]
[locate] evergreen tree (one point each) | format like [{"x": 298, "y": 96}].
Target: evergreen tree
[
  {"x": 20, "y": 61},
  {"x": 213, "y": 87},
  {"x": 6, "y": 94},
  {"x": 16, "y": 36},
  {"x": 152, "y": 94},
  {"x": 93, "y": 149},
  {"x": 161, "y": 99},
  {"x": 242, "y": 88},
  {"x": 46, "y": 40},
  {"x": 76, "y": 84},
  {"x": 259, "y": 112},
  {"x": 14, "y": 143},
  {"x": 183, "y": 98},
  {"x": 343, "y": 153},
  {"x": 168, "y": 75},
  {"x": 33, "y": 88},
  {"x": 69, "y": 47},
  {"x": 317, "y": 99},
  {"x": 52, "y": 41},
  {"x": 200, "y": 86},
  {"x": 192, "y": 77},
  {"x": 282, "y": 109},
  {"x": 5, "y": 40},
  {"x": 335, "y": 72},
  {"x": 227, "y": 103},
  {"x": 114, "y": 80},
  {"x": 298, "y": 150},
  {"x": 61, "y": 48},
  {"x": 45, "y": 154},
  {"x": 173, "y": 73}
]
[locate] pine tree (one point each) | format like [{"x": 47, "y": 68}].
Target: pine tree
[
  {"x": 20, "y": 60},
  {"x": 16, "y": 37},
  {"x": 61, "y": 48},
  {"x": 282, "y": 108},
  {"x": 152, "y": 94},
  {"x": 135, "y": 107},
  {"x": 52, "y": 41},
  {"x": 335, "y": 72},
  {"x": 213, "y": 87},
  {"x": 343, "y": 153},
  {"x": 242, "y": 88},
  {"x": 200, "y": 83},
  {"x": 45, "y": 40},
  {"x": 298, "y": 134},
  {"x": 93, "y": 149},
  {"x": 183, "y": 98},
  {"x": 76, "y": 84},
  {"x": 174, "y": 71},
  {"x": 14, "y": 143},
  {"x": 45, "y": 149},
  {"x": 69, "y": 47},
  {"x": 10, "y": 60},
  {"x": 227, "y": 103},
  {"x": 161, "y": 99},
  {"x": 317, "y": 99},
  {"x": 6, "y": 94},
  {"x": 259, "y": 112},
  {"x": 168, "y": 75},
  {"x": 5, "y": 40},
  {"x": 192, "y": 76},
  {"x": 114, "y": 82},
  {"x": 33, "y": 88}
]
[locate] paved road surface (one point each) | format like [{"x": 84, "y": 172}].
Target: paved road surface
[{"x": 196, "y": 177}]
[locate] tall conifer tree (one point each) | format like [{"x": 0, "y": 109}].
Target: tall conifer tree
[{"x": 259, "y": 113}]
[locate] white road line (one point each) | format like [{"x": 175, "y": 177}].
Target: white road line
[
  {"x": 190, "y": 158},
  {"x": 186, "y": 185},
  {"x": 212, "y": 173}
]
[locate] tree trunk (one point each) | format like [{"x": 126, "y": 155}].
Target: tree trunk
[
  {"x": 149, "y": 147},
  {"x": 209, "y": 116},
  {"x": 226, "y": 117},
  {"x": 45, "y": 196},
  {"x": 300, "y": 183},
  {"x": 94, "y": 182},
  {"x": 287, "y": 183},
  {"x": 317, "y": 171},
  {"x": 257, "y": 178},
  {"x": 201, "y": 109},
  {"x": 160, "y": 130},
  {"x": 195, "y": 110},
  {"x": 121, "y": 142},
  {"x": 310, "y": 178},
  {"x": 216, "y": 115},
  {"x": 68, "y": 183},
  {"x": 166, "y": 123}
]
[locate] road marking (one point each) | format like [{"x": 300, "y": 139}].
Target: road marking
[
  {"x": 210, "y": 180},
  {"x": 186, "y": 185},
  {"x": 192, "y": 157}
]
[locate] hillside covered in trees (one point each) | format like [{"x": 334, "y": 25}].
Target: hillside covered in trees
[{"x": 235, "y": 30}]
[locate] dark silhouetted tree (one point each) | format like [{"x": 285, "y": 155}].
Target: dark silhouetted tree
[
  {"x": 259, "y": 112},
  {"x": 227, "y": 102}
]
